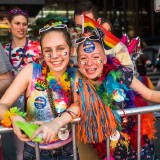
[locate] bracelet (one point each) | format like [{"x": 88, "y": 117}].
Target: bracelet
[
  {"x": 6, "y": 122},
  {"x": 70, "y": 115}
]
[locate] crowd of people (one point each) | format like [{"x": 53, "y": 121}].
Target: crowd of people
[{"x": 41, "y": 80}]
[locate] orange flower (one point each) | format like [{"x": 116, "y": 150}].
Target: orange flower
[{"x": 6, "y": 122}]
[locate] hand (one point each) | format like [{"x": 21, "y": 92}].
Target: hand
[
  {"x": 17, "y": 130},
  {"x": 49, "y": 131}
]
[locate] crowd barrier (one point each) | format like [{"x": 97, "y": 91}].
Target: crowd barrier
[{"x": 128, "y": 112}]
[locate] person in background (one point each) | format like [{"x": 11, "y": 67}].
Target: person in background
[
  {"x": 5, "y": 71},
  {"x": 20, "y": 51},
  {"x": 111, "y": 81},
  {"x": 106, "y": 23},
  {"x": 49, "y": 90},
  {"x": 89, "y": 9}
]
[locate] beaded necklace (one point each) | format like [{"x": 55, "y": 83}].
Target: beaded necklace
[
  {"x": 62, "y": 88},
  {"x": 23, "y": 55}
]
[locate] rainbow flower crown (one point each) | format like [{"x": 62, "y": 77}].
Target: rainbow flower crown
[{"x": 53, "y": 25}]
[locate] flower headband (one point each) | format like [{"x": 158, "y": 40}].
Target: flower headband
[
  {"x": 52, "y": 26},
  {"x": 18, "y": 11}
]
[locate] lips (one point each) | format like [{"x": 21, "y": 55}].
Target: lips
[
  {"x": 91, "y": 70},
  {"x": 57, "y": 63}
]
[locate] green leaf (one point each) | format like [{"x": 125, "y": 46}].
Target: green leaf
[{"x": 29, "y": 129}]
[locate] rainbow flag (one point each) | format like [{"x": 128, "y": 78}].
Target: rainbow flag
[{"x": 108, "y": 39}]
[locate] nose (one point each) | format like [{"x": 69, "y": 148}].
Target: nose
[
  {"x": 54, "y": 55},
  {"x": 21, "y": 26},
  {"x": 89, "y": 62}
]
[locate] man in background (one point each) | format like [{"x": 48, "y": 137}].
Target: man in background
[{"x": 87, "y": 8}]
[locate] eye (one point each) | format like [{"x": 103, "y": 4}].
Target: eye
[
  {"x": 60, "y": 49},
  {"x": 47, "y": 50},
  {"x": 83, "y": 58},
  {"x": 96, "y": 57},
  {"x": 17, "y": 23},
  {"x": 25, "y": 24}
]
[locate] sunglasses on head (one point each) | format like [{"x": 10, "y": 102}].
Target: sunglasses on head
[
  {"x": 18, "y": 11},
  {"x": 61, "y": 26},
  {"x": 91, "y": 37}
]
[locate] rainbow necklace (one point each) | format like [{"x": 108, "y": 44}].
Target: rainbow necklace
[{"x": 61, "y": 87}]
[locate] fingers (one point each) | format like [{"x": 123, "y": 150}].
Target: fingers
[
  {"x": 39, "y": 123},
  {"x": 47, "y": 134},
  {"x": 37, "y": 132}
]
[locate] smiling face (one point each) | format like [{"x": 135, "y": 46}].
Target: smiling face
[
  {"x": 55, "y": 51},
  {"x": 91, "y": 59},
  {"x": 19, "y": 26}
]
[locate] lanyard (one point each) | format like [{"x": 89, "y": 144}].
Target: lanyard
[{"x": 23, "y": 56}]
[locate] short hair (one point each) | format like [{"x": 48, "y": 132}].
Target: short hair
[{"x": 86, "y": 6}]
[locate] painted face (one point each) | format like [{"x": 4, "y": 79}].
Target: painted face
[
  {"x": 78, "y": 18},
  {"x": 55, "y": 51},
  {"x": 91, "y": 63},
  {"x": 19, "y": 26}
]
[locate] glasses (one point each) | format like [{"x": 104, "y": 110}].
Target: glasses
[
  {"x": 61, "y": 26},
  {"x": 92, "y": 38},
  {"x": 19, "y": 11}
]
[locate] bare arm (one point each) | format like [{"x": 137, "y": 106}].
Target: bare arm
[
  {"x": 5, "y": 81},
  {"x": 51, "y": 129},
  {"x": 18, "y": 86},
  {"x": 146, "y": 93}
]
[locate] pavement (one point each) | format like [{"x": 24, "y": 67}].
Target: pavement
[{"x": 9, "y": 153}]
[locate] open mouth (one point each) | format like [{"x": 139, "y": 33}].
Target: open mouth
[
  {"x": 91, "y": 70},
  {"x": 57, "y": 63}
]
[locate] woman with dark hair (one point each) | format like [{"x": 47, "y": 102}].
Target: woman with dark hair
[
  {"x": 49, "y": 90},
  {"x": 20, "y": 49}
]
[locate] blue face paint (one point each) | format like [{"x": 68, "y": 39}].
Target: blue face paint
[{"x": 88, "y": 46}]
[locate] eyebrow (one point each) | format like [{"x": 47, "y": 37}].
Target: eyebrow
[{"x": 63, "y": 45}]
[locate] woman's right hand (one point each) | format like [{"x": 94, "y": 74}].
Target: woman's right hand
[{"x": 17, "y": 130}]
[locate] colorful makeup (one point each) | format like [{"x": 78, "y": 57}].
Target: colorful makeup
[
  {"x": 49, "y": 55},
  {"x": 64, "y": 53},
  {"x": 83, "y": 63},
  {"x": 99, "y": 61}
]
